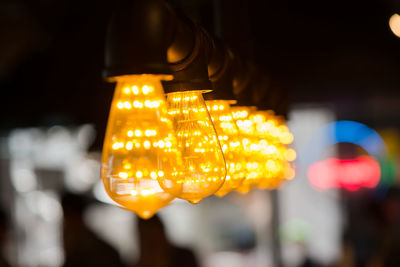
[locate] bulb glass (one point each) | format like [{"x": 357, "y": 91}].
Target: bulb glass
[
  {"x": 232, "y": 147},
  {"x": 204, "y": 164},
  {"x": 140, "y": 147}
]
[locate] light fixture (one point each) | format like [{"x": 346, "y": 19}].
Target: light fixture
[
  {"x": 274, "y": 154},
  {"x": 204, "y": 169},
  {"x": 140, "y": 146},
  {"x": 159, "y": 146},
  {"x": 250, "y": 144},
  {"x": 268, "y": 153},
  {"x": 220, "y": 71},
  {"x": 232, "y": 147}
]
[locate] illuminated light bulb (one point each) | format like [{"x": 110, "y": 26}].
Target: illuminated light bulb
[
  {"x": 204, "y": 164},
  {"x": 251, "y": 147},
  {"x": 275, "y": 156},
  {"x": 268, "y": 152},
  {"x": 131, "y": 163},
  {"x": 232, "y": 147}
]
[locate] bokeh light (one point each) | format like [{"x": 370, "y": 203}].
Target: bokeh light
[{"x": 394, "y": 23}]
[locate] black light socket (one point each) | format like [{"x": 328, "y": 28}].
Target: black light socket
[
  {"x": 245, "y": 98},
  {"x": 244, "y": 72},
  {"x": 139, "y": 34},
  {"x": 190, "y": 73},
  {"x": 220, "y": 71},
  {"x": 243, "y": 83}
]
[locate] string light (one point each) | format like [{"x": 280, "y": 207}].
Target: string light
[
  {"x": 232, "y": 147},
  {"x": 140, "y": 147},
  {"x": 156, "y": 149}
]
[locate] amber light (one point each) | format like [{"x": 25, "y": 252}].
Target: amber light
[
  {"x": 275, "y": 156},
  {"x": 140, "y": 147},
  {"x": 251, "y": 149},
  {"x": 204, "y": 164},
  {"x": 231, "y": 143}
]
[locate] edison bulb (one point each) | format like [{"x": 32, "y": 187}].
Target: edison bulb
[
  {"x": 204, "y": 164},
  {"x": 232, "y": 147},
  {"x": 251, "y": 148},
  {"x": 269, "y": 152},
  {"x": 140, "y": 147},
  {"x": 273, "y": 134}
]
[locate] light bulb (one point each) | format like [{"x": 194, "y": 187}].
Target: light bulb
[
  {"x": 273, "y": 134},
  {"x": 204, "y": 165},
  {"x": 251, "y": 148},
  {"x": 140, "y": 147},
  {"x": 232, "y": 147}
]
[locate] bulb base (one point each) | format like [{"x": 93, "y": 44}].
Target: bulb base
[
  {"x": 191, "y": 72},
  {"x": 138, "y": 37},
  {"x": 181, "y": 86}
]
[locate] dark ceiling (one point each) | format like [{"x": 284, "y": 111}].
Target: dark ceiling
[{"x": 341, "y": 53}]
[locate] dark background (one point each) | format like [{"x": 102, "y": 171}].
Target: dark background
[{"x": 337, "y": 52}]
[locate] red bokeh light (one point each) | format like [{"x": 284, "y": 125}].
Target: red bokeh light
[{"x": 363, "y": 171}]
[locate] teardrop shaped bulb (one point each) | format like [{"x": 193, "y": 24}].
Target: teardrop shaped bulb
[
  {"x": 204, "y": 164},
  {"x": 232, "y": 147},
  {"x": 140, "y": 146},
  {"x": 273, "y": 159},
  {"x": 251, "y": 147}
]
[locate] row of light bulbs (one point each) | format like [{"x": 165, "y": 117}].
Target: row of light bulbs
[{"x": 159, "y": 147}]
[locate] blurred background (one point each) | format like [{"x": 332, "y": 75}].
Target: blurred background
[{"x": 339, "y": 64}]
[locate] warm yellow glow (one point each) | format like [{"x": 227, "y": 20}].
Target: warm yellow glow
[
  {"x": 289, "y": 173},
  {"x": 394, "y": 23},
  {"x": 123, "y": 175},
  {"x": 274, "y": 155},
  {"x": 133, "y": 162},
  {"x": 290, "y": 154},
  {"x": 129, "y": 145},
  {"x": 228, "y": 135},
  {"x": 139, "y": 174},
  {"x": 251, "y": 147},
  {"x": 147, "y": 144},
  {"x": 204, "y": 162},
  {"x": 135, "y": 90}
]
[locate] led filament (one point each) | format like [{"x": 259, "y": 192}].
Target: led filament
[
  {"x": 140, "y": 147},
  {"x": 232, "y": 147},
  {"x": 204, "y": 165}
]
